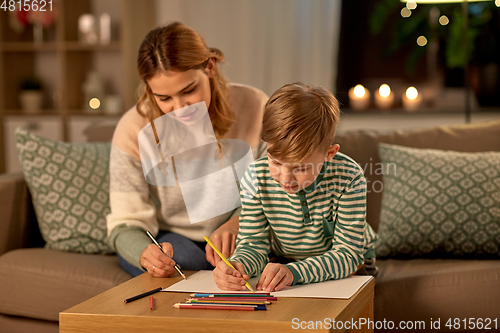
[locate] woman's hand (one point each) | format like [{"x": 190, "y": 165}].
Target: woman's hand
[
  {"x": 224, "y": 238},
  {"x": 274, "y": 278},
  {"x": 156, "y": 262},
  {"x": 228, "y": 278}
]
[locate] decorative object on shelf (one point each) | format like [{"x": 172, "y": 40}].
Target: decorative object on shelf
[
  {"x": 31, "y": 95},
  {"x": 105, "y": 28},
  {"x": 20, "y": 19},
  {"x": 113, "y": 104},
  {"x": 87, "y": 29},
  {"x": 93, "y": 91},
  {"x": 384, "y": 97},
  {"x": 411, "y": 99},
  {"x": 359, "y": 97}
]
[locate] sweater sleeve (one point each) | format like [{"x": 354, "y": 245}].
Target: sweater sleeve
[
  {"x": 132, "y": 209},
  {"x": 252, "y": 243},
  {"x": 346, "y": 253}
]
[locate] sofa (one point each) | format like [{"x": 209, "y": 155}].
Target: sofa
[{"x": 37, "y": 283}]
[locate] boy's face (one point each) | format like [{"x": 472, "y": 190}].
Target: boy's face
[{"x": 295, "y": 176}]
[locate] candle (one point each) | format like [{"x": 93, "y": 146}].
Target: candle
[
  {"x": 384, "y": 97},
  {"x": 359, "y": 97},
  {"x": 411, "y": 99}
]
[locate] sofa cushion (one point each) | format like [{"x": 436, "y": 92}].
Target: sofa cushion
[
  {"x": 421, "y": 289},
  {"x": 362, "y": 146},
  {"x": 13, "y": 324},
  {"x": 439, "y": 203},
  {"x": 69, "y": 184},
  {"x": 39, "y": 283}
]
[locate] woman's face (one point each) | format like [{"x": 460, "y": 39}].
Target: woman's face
[{"x": 174, "y": 90}]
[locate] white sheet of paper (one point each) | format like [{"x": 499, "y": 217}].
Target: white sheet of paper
[{"x": 203, "y": 282}]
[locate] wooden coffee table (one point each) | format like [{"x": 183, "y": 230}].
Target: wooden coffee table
[{"x": 107, "y": 312}]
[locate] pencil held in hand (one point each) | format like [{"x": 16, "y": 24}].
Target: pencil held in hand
[
  {"x": 177, "y": 268},
  {"x": 224, "y": 259}
]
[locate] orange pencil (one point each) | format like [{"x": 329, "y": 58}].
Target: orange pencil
[{"x": 151, "y": 304}]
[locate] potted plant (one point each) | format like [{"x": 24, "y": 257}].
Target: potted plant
[{"x": 31, "y": 96}]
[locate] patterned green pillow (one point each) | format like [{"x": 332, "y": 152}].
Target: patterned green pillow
[
  {"x": 69, "y": 184},
  {"x": 439, "y": 203}
]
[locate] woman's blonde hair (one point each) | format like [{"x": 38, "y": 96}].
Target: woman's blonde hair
[
  {"x": 299, "y": 119},
  {"x": 176, "y": 47}
]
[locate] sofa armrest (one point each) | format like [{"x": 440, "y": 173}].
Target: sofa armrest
[{"x": 18, "y": 226}]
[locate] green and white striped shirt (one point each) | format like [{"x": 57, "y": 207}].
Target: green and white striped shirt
[{"x": 322, "y": 227}]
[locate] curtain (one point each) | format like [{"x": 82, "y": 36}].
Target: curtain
[{"x": 267, "y": 43}]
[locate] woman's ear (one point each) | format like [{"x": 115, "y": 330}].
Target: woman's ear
[
  {"x": 332, "y": 151},
  {"x": 210, "y": 69}
]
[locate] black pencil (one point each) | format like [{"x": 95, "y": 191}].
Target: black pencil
[
  {"x": 147, "y": 293},
  {"x": 158, "y": 244}
]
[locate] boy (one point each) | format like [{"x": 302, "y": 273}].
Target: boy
[{"x": 305, "y": 197}]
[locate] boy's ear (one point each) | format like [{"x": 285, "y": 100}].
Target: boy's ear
[{"x": 332, "y": 151}]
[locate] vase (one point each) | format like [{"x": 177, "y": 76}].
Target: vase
[
  {"x": 38, "y": 33},
  {"x": 31, "y": 101}
]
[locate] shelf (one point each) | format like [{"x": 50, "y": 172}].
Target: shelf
[
  {"x": 52, "y": 112},
  {"x": 63, "y": 63},
  {"x": 22, "y": 113},
  {"x": 84, "y": 113},
  {"x": 29, "y": 47},
  {"x": 77, "y": 46},
  {"x": 54, "y": 46}
]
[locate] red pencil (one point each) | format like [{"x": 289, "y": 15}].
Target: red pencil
[{"x": 151, "y": 305}]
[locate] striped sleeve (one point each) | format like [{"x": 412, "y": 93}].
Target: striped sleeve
[
  {"x": 252, "y": 244},
  {"x": 346, "y": 252}
]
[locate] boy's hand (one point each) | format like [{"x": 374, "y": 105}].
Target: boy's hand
[
  {"x": 224, "y": 238},
  {"x": 227, "y": 278},
  {"x": 274, "y": 278}
]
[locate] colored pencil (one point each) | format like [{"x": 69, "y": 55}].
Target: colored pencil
[
  {"x": 227, "y": 302},
  {"x": 151, "y": 304},
  {"x": 237, "y": 299},
  {"x": 224, "y": 304},
  {"x": 231, "y": 295},
  {"x": 224, "y": 258},
  {"x": 177, "y": 268},
  {"x": 215, "y": 307},
  {"x": 147, "y": 293}
]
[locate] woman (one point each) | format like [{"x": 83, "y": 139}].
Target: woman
[{"x": 178, "y": 70}]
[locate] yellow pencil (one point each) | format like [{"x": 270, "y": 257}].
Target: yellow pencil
[{"x": 224, "y": 259}]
